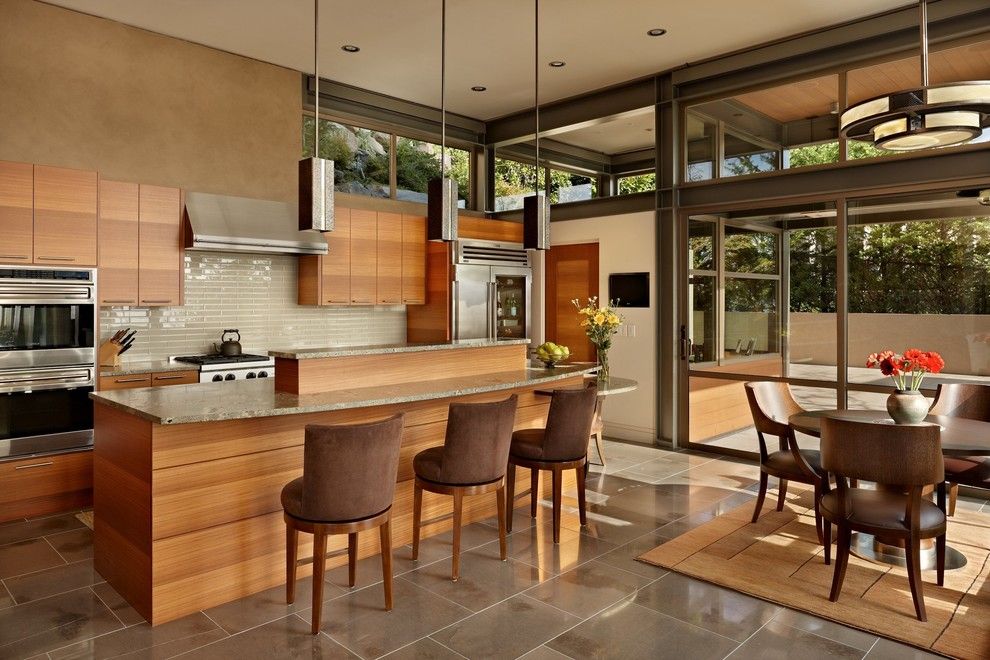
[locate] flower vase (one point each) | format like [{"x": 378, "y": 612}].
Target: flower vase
[
  {"x": 907, "y": 406},
  {"x": 602, "y": 365}
]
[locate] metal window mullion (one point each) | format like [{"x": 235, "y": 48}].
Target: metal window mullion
[
  {"x": 719, "y": 293},
  {"x": 784, "y": 295},
  {"x": 752, "y": 276},
  {"x": 393, "y": 169},
  {"x": 841, "y": 302}
]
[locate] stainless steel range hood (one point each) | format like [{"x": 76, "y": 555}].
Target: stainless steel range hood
[{"x": 241, "y": 224}]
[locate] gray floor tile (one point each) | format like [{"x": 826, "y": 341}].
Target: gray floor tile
[
  {"x": 424, "y": 649},
  {"x": 75, "y": 545},
  {"x": 728, "y": 613},
  {"x": 23, "y": 530},
  {"x": 369, "y": 569},
  {"x": 141, "y": 637},
  {"x": 359, "y": 620},
  {"x": 506, "y": 630},
  {"x": 536, "y": 548},
  {"x": 177, "y": 647},
  {"x": 27, "y": 557},
  {"x": 588, "y": 589},
  {"x": 775, "y": 640},
  {"x": 603, "y": 524},
  {"x": 120, "y": 607},
  {"x": 268, "y": 605},
  {"x": 52, "y": 623},
  {"x": 51, "y": 581},
  {"x": 285, "y": 639},
  {"x": 6, "y": 600},
  {"x": 624, "y": 556},
  {"x": 544, "y": 653},
  {"x": 630, "y": 631},
  {"x": 886, "y": 649},
  {"x": 828, "y": 629}
]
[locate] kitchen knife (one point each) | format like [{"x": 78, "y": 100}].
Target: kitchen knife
[
  {"x": 124, "y": 349},
  {"x": 117, "y": 335},
  {"x": 128, "y": 337}
]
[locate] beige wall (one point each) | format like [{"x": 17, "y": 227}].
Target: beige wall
[{"x": 79, "y": 91}]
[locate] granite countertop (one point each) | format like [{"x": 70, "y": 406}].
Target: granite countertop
[
  {"x": 383, "y": 349},
  {"x": 244, "y": 399},
  {"x": 145, "y": 367}
]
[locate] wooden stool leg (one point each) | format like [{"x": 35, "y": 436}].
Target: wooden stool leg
[
  {"x": 940, "y": 560},
  {"x": 762, "y": 495},
  {"x": 912, "y": 553},
  {"x": 500, "y": 502},
  {"x": 953, "y": 496},
  {"x": 455, "y": 571},
  {"x": 841, "y": 561},
  {"x": 557, "y": 478},
  {"x": 510, "y": 494},
  {"x": 818, "y": 514},
  {"x": 534, "y": 491},
  {"x": 598, "y": 446},
  {"x": 352, "y": 539},
  {"x": 417, "y": 518},
  {"x": 827, "y": 540},
  {"x": 580, "y": 494},
  {"x": 291, "y": 561},
  {"x": 781, "y": 494},
  {"x": 319, "y": 574},
  {"x": 385, "y": 538}
]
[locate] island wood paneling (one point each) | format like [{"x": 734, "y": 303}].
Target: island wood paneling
[
  {"x": 65, "y": 211},
  {"x": 389, "y": 257},
  {"x": 16, "y": 212},
  {"x": 160, "y": 280},
  {"x": 364, "y": 257},
  {"x": 118, "y": 242}
]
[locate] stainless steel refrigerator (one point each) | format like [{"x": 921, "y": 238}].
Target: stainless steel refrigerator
[{"x": 492, "y": 291}]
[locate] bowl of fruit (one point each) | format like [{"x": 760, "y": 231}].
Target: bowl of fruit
[{"x": 550, "y": 354}]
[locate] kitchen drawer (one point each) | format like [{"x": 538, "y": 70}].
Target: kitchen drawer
[
  {"x": 125, "y": 382},
  {"x": 174, "y": 377},
  {"x": 46, "y": 484}
]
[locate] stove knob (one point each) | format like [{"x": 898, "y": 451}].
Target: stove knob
[
  {"x": 218, "y": 378},
  {"x": 250, "y": 374},
  {"x": 229, "y": 377},
  {"x": 262, "y": 374}
]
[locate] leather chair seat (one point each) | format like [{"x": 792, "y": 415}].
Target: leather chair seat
[
  {"x": 428, "y": 464},
  {"x": 968, "y": 470},
  {"x": 783, "y": 462},
  {"x": 881, "y": 509},
  {"x": 292, "y": 498},
  {"x": 528, "y": 444}
]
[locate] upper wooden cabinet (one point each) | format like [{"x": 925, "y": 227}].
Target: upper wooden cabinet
[
  {"x": 160, "y": 246},
  {"x": 16, "y": 212},
  {"x": 336, "y": 270},
  {"x": 118, "y": 265},
  {"x": 364, "y": 257},
  {"x": 413, "y": 260},
  {"x": 389, "y": 259},
  {"x": 65, "y": 211}
]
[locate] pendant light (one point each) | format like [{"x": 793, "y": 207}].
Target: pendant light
[
  {"x": 536, "y": 208},
  {"x": 924, "y": 117},
  {"x": 316, "y": 174},
  {"x": 441, "y": 210}
]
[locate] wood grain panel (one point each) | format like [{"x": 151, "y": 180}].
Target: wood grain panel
[
  {"x": 571, "y": 272},
  {"x": 431, "y": 322},
  {"x": 163, "y": 378},
  {"x": 413, "y": 260},
  {"x": 65, "y": 216},
  {"x": 16, "y": 212},
  {"x": 45, "y": 484},
  {"x": 389, "y": 258},
  {"x": 118, "y": 243},
  {"x": 160, "y": 260},
  {"x": 489, "y": 230},
  {"x": 309, "y": 283},
  {"x": 125, "y": 382},
  {"x": 336, "y": 265},
  {"x": 364, "y": 257}
]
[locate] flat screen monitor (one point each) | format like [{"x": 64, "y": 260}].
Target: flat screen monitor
[{"x": 629, "y": 289}]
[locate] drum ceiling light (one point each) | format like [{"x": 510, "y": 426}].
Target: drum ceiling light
[{"x": 926, "y": 117}]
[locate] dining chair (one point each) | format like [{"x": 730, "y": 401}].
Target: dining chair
[
  {"x": 897, "y": 458},
  {"x": 347, "y": 486},
  {"x": 772, "y": 404},
  {"x": 969, "y": 401}
]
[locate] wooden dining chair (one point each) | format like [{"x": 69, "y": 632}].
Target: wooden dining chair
[
  {"x": 969, "y": 401},
  {"x": 897, "y": 458},
  {"x": 772, "y": 404}
]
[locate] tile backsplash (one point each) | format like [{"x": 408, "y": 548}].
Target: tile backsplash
[{"x": 255, "y": 294}]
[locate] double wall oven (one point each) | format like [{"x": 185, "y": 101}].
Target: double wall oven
[{"x": 48, "y": 330}]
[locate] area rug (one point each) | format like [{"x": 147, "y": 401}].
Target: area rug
[
  {"x": 86, "y": 518},
  {"x": 778, "y": 559}
]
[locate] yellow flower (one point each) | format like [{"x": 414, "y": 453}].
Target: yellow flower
[
  {"x": 613, "y": 319},
  {"x": 584, "y": 323},
  {"x": 599, "y": 319}
]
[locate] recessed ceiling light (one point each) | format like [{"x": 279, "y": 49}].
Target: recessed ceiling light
[
  {"x": 349, "y": 48},
  {"x": 478, "y": 88},
  {"x": 558, "y": 63},
  {"x": 656, "y": 32}
]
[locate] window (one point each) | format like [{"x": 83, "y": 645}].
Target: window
[
  {"x": 417, "y": 161},
  {"x": 360, "y": 156},
  {"x": 744, "y": 155},
  {"x": 514, "y": 180},
  {"x": 571, "y": 187},
  {"x": 637, "y": 183},
  {"x": 700, "y": 134}
]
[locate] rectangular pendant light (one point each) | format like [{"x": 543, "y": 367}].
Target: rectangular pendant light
[
  {"x": 316, "y": 194},
  {"x": 441, "y": 214},
  {"x": 536, "y": 222}
]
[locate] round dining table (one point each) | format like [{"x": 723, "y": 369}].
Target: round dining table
[{"x": 959, "y": 436}]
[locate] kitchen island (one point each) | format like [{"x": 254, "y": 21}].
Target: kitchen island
[{"x": 187, "y": 478}]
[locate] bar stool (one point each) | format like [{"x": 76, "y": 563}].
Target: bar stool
[
  {"x": 562, "y": 445},
  {"x": 347, "y": 486},
  {"x": 472, "y": 461}
]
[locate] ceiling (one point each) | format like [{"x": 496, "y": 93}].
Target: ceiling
[
  {"x": 489, "y": 43},
  {"x": 614, "y": 135}
]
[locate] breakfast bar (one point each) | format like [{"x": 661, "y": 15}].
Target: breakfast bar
[{"x": 187, "y": 479}]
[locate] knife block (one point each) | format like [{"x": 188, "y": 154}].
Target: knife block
[{"x": 109, "y": 354}]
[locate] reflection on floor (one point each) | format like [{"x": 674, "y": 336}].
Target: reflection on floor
[{"x": 585, "y": 598}]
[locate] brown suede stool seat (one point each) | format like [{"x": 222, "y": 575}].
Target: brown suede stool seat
[
  {"x": 562, "y": 445},
  {"x": 347, "y": 486},
  {"x": 970, "y": 401},
  {"x": 897, "y": 458},
  {"x": 472, "y": 461}
]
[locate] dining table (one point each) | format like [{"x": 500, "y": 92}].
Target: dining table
[{"x": 959, "y": 437}]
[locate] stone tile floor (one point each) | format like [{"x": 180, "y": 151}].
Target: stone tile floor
[{"x": 584, "y": 598}]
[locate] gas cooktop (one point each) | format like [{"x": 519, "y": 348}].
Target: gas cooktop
[{"x": 205, "y": 360}]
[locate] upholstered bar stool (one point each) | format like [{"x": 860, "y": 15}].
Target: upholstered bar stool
[
  {"x": 970, "y": 401},
  {"x": 347, "y": 487},
  {"x": 562, "y": 445},
  {"x": 472, "y": 461}
]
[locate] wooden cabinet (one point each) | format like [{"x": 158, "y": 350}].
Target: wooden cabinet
[
  {"x": 46, "y": 484},
  {"x": 155, "y": 379},
  {"x": 364, "y": 257},
  {"x": 65, "y": 214},
  {"x": 413, "y": 260},
  {"x": 118, "y": 242},
  {"x": 160, "y": 247},
  {"x": 389, "y": 256},
  {"x": 336, "y": 268},
  {"x": 160, "y": 378},
  {"x": 16, "y": 212}
]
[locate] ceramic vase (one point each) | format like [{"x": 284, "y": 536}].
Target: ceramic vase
[{"x": 907, "y": 406}]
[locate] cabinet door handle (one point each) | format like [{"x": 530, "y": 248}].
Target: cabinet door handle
[
  {"x": 58, "y": 258},
  {"x": 139, "y": 379},
  {"x": 168, "y": 377},
  {"x": 33, "y": 465},
  {"x": 363, "y": 302},
  {"x": 13, "y": 256},
  {"x": 155, "y": 302},
  {"x": 120, "y": 302}
]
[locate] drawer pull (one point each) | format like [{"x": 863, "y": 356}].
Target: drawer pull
[
  {"x": 12, "y": 256},
  {"x": 33, "y": 465},
  {"x": 168, "y": 377},
  {"x": 363, "y": 302},
  {"x": 139, "y": 379},
  {"x": 58, "y": 258},
  {"x": 157, "y": 302},
  {"x": 120, "y": 302}
]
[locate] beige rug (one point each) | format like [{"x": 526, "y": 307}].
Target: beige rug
[
  {"x": 86, "y": 518},
  {"x": 779, "y": 560}
]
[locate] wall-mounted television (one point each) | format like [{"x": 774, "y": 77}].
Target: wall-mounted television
[{"x": 629, "y": 289}]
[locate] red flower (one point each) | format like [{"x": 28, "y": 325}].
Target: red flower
[
  {"x": 890, "y": 366},
  {"x": 933, "y": 362},
  {"x": 876, "y": 358}
]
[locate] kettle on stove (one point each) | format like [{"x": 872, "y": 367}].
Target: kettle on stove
[{"x": 229, "y": 347}]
